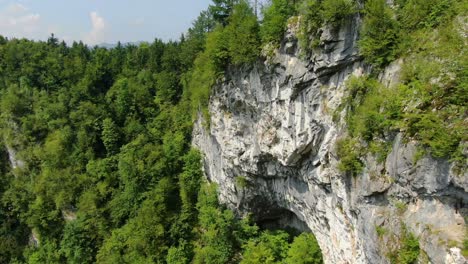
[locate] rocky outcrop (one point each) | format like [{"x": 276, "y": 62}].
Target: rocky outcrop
[
  {"x": 14, "y": 161},
  {"x": 271, "y": 124}
]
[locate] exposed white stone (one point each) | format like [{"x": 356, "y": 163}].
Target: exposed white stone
[
  {"x": 273, "y": 124},
  {"x": 14, "y": 161},
  {"x": 455, "y": 257}
]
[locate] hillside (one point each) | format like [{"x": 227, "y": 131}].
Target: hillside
[{"x": 319, "y": 131}]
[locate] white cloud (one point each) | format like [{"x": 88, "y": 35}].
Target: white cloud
[
  {"x": 17, "y": 21},
  {"x": 16, "y": 8},
  {"x": 98, "y": 31}
]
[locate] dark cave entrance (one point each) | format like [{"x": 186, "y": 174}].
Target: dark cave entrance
[{"x": 282, "y": 219}]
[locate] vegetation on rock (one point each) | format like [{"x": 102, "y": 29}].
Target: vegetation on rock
[{"x": 109, "y": 175}]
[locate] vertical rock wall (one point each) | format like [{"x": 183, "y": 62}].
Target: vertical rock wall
[{"x": 271, "y": 125}]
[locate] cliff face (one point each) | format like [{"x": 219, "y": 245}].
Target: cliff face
[{"x": 271, "y": 149}]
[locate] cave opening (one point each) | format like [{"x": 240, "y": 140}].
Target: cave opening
[{"x": 283, "y": 219}]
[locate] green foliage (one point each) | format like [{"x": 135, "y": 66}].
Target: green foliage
[
  {"x": 48, "y": 252},
  {"x": 408, "y": 251},
  {"x": 258, "y": 253},
  {"x": 168, "y": 86},
  {"x": 190, "y": 179},
  {"x": 430, "y": 130},
  {"x": 194, "y": 42},
  {"x": 416, "y": 14},
  {"x": 389, "y": 31},
  {"x": 241, "y": 182},
  {"x": 357, "y": 88},
  {"x": 238, "y": 43},
  {"x": 304, "y": 250},
  {"x": 105, "y": 134},
  {"x": 380, "y": 149},
  {"x": 270, "y": 247},
  {"x": 465, "y": 245},
  {"x": 381, "y": 231},
  {"x": 275, "y": 247},
  {"x": 379, "y": 33},
  {"x": 104, "y": 137},
  {"x": 79, "y": 243},
  {"x": 335, "y": 11},
  {"x": 311, "y": 20},
  {"x": 349, "y": 153},
  {"x": 110, "y": 135},
  {"x": 13, "y": 233},
  {"x": 372, "y": 110},
  {"x": 202, "y": 78},
  {"x": 317, "y": 13},
  {"x": 435, "y": 119},
  {"x": 179, "y": 255},
  {"x": 217, "y": 50},
  {"x": 401, "y": 207},
  {"x": 222, "y": 238},
  {"x": 135, "y": 242},
  {"x": 217, "y": 244},
  {"x": 275, "y": 17},
  {"x": 13, "y": 237},
  {"x": 221, "y": 10},
  {"x": 108, "y": 175},
  {"x": 242, "y": 34}
]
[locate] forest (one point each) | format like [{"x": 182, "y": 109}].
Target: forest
[{"x": 96, "y": 162}]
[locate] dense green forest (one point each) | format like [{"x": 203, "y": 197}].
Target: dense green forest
[
  {"x": 106, "y": 171},
  {"x": 103, "y": 169}
]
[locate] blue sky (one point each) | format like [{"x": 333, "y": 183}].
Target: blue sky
[{"x": 98, "y": 21}]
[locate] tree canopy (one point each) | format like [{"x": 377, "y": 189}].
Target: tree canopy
[{"x": 107, "y": 172}]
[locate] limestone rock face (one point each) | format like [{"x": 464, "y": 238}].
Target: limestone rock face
[{"x": 272, "y": 125}]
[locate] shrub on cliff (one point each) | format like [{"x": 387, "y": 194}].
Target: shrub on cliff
[
  {"x": 379, "y": 33},
  {"x": 349, "y": 153},
  {"x": 317, "y": 13},
  {"x": 275, "y": 17}
]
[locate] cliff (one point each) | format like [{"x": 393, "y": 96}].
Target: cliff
[{"x": 271, "y": 148}]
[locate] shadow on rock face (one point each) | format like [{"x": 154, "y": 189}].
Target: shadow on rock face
[{"x": 281, "y": 218}]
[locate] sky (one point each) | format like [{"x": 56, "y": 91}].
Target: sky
[{"x": 98, "y": 21}]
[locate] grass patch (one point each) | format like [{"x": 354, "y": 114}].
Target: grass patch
[
  {"x": 465, "y": 246},
  {"x": 401, "y": 207},
  {"x": 381, "y": 231},
  {"x": 241, "y": 182},
  {"x": 408, "y": 250}
]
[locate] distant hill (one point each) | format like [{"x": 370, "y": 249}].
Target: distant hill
[{"x": 113, "y": 45}]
